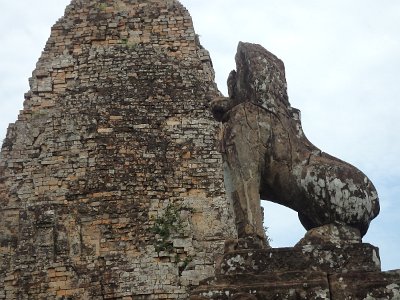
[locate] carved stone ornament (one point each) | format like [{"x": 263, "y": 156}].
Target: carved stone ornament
[{"x": 267, "y": 156}]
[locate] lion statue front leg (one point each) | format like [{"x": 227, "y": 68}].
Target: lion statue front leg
[{"x": 243, "y": 154}]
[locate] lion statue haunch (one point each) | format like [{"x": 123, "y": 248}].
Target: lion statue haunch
[{"x": 267, "y": 156}]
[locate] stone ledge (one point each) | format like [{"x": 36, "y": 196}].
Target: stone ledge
[
  {"x": 375, "y": 285},
  {"x": 328, "y": 258},
  {"x": 302, "y": 285},
  {"x": 308, "y": 272},
  {"x": 285, "y": 285}
]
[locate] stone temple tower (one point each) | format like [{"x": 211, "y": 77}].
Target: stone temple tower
[{"x": 110, "y": 183}]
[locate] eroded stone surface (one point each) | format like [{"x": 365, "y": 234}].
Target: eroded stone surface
[
  {"x": 322, "y": 258},
  {"x": 115, "y": 128},
  {"x": 267, "y": 156},
  {"x": 290, "y": 285},
  {"x": 331, "y": 234},
  {"x": 366, "y": 286},
  {"x": 345, "y": 272}
]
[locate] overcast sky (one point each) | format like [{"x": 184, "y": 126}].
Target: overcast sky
[{"x": 342, "y": 63}]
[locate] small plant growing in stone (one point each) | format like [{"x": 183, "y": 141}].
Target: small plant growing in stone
[
  {"x": 182, "y": 264},
  {"x": 129, "y": 44},
  {"x": 166, "y": 225},
  {"x": 102, "y": 6},
  {"x": 268, "y": 239}
]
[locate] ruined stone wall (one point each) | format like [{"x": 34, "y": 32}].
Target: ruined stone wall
[{"x": 110, "y": 184}]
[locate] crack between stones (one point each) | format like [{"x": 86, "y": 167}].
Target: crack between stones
[
  {"x": 329, "y": 286},
  {"x": 290, "y": 163},
  {"x": 247, "y": 119},
  {"x": 265, "y": 146}
]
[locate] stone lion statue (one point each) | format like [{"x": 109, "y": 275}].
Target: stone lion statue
[{"x": 267, "y": 156}]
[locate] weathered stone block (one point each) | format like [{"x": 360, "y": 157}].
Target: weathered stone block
[
  {"x": 291, "y": 273},
  {"x": 284, "y": 285},
  {"x": 365, "y": 285},
  {"x": 44, "y": 84},
  {"x": 329, "y": 259}
]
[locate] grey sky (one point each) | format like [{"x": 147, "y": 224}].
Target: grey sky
[{"x": 343, "y": 65}]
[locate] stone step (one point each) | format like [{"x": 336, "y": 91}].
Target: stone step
[
  {"x": 328, "y": 258},
  {"x": 302, "y": 285},
  {"x": 284, "y": 285},
  {"x": 375, "y": 285}
]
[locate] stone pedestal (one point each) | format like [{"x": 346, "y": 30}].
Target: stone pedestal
[{"x": 349, "y": 271}]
